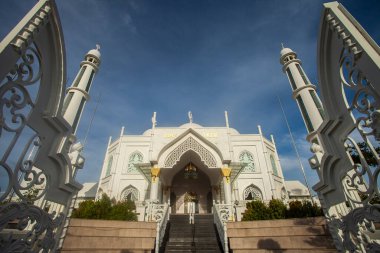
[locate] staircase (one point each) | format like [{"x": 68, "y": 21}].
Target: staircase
[
  {"x": 198, "y": 237},
  {"x": 109, "y": 236},
  {"x": 291, "y": 236}
]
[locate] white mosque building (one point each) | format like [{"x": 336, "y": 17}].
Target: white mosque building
[{"x": 207, "y": 165}]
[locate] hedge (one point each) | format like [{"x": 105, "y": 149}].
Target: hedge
[
  {"x": 106, "y": 209},
  {"x": 258, "y": 210}
]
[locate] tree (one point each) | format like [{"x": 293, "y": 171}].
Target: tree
[{"x": 106, "y": 209}]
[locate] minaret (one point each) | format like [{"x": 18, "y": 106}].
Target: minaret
[
  {"x": 303, "y": 91},
  {"x": 78, "y": 93}
]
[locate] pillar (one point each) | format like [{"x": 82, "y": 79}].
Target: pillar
[
  {"x": 226, "y": 173},
  {"x": 154, "y": 172}
]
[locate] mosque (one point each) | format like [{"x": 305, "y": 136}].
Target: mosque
[{"x": 206, "y": 165}]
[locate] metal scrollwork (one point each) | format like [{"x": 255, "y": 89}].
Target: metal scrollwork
[
  {"x": 357, "y": 226},
  {"x": 363, "y": 177},
  {"x": 361, "y": 181},
  {"x": 16, "y": 103},
  {"x": 365, "y": 100},
  {"x": 41, "y": 233},
  {"x": 14, "y": 95}
]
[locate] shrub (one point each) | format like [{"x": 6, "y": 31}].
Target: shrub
[
  {"x": 106, "y": 209},
  {"x": 256, "y": 210},
  {"x": 298, "y": 209},
  {"x": 123, "y": 210},
  {"x": 295, "y": 209},
  {"x": 277, "y": 209}
]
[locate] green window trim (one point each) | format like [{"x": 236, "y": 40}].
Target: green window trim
[
  {"x": 291, "y": 79},
  {"x": 317, "y": 103},
  {"x": 303, "y": 75},
  {"x": 79, "y": 77},
  {"x": 77, "y": 117},
  {"x": 109, "y": 166},
  {"x": 306, "y": 117},
  {"x": 67, "y": 102},
  {"x": 90, "y": 81},
  {"x": 274, "y": 166}
]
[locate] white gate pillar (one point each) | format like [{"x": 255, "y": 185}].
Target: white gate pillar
[
  {"x": 155, "y": 172},
  {"x": 226, "y": 172}
]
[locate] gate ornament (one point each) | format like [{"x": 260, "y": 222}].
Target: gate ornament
[
  {"x": 35, "y": 138},
  {"x": 346, "y": 159}
]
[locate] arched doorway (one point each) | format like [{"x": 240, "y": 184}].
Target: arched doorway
[{"x": 194, "y": 186}]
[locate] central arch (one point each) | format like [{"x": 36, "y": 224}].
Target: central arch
[{"x": 188, "y": 186}]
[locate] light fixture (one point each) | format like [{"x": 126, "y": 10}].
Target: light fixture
[{"x": 191, "y": 171}]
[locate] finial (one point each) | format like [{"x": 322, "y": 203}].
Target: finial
[
  {"x": 282, "y": 45},
  {"x": 190, "y": 117},
  {"x": 97, "y": 47},
  {"x": 154, "y": 122},
  {"x": 226, "y": 116}
]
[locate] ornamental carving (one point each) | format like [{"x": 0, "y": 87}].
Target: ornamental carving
[
  {"x": 130, "y": 193},
  {"x": 252, "y": 193},
  {"x": 190, "y": 144},
  {"x": 246, "y": 158},
  {"x": 134, "y": 158}
]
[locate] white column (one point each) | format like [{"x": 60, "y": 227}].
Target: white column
[
  {"x": 155, "y": 171},
  {"x": 78, "y": 93},
  {"x": 303, "y": 91},
  {"x": 226, "y": 172}
]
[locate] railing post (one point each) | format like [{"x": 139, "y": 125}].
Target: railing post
[
  {"x": 225, "y": 237},
  {"x": 158, "y": 238}
]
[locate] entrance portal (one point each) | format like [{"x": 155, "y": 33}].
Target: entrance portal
[{"x": 195, "y": 187}]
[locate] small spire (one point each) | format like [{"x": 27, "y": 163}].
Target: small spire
[
  {"x": 282, "y": 45},
  {"x": 98, "y": 47},
  {"x": 190, "y": 117},
  {"x": 226, "y": 117},
  {"x": 154, "y": 121}
]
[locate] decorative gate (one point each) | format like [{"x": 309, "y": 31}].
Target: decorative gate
[
  {"x": 347, "y": 143},
  {"x": 36, "y": 174}
]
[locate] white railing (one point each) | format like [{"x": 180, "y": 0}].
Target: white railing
[
  {"x": 222, "y": 214},
  {"x": 160, "y": 214}
]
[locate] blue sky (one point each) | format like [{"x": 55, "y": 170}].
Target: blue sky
[{"x": 201, "y": 56}]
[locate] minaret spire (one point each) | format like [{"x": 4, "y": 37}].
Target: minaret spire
[
  {"x": 303, "y": 91},
  {"x": 78, "y": 93}
]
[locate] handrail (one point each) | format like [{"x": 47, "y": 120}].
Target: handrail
[
  {"x": 160, "y": 214},
  {"x": 222, "y": 214}
]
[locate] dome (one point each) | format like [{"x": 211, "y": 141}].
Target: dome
[
  {"x": 190, "y": 125},
  {"x": 95, "y": 52},
  {"x": 285, "y": 51}
]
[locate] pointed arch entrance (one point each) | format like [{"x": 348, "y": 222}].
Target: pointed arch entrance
[
  {"x": 190, "y": 186},
  {"x": 180, "y": 187}
]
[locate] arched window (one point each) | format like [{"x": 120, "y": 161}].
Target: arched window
[
  {"x": 134, "y": 158},
  {"x": 130, "y": 193},
  {"x": 109, "y": 166},
  {"x": 247, "y": 158},
  {"x": 252, "y": 193},
  {"x": 274, "y": 167}
]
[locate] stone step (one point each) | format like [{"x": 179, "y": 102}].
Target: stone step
[
  {"x": 106, "y": 251},
  {"x": 286, "y": 251},
  {"x": 112, "y": 223},
  {"x": 110, "y": 231},
  {"x": 107, "y": 243},
  {"x": 315, "y": 221},
  {"x": 280, "y": 231},
  {"x": 198, "y": 240},
  {"x": 282, "y": 242}
]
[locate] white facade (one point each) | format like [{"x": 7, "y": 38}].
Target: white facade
[
  {"x": 88, "y": 192},
  {"x": 230, "y": 168}
]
